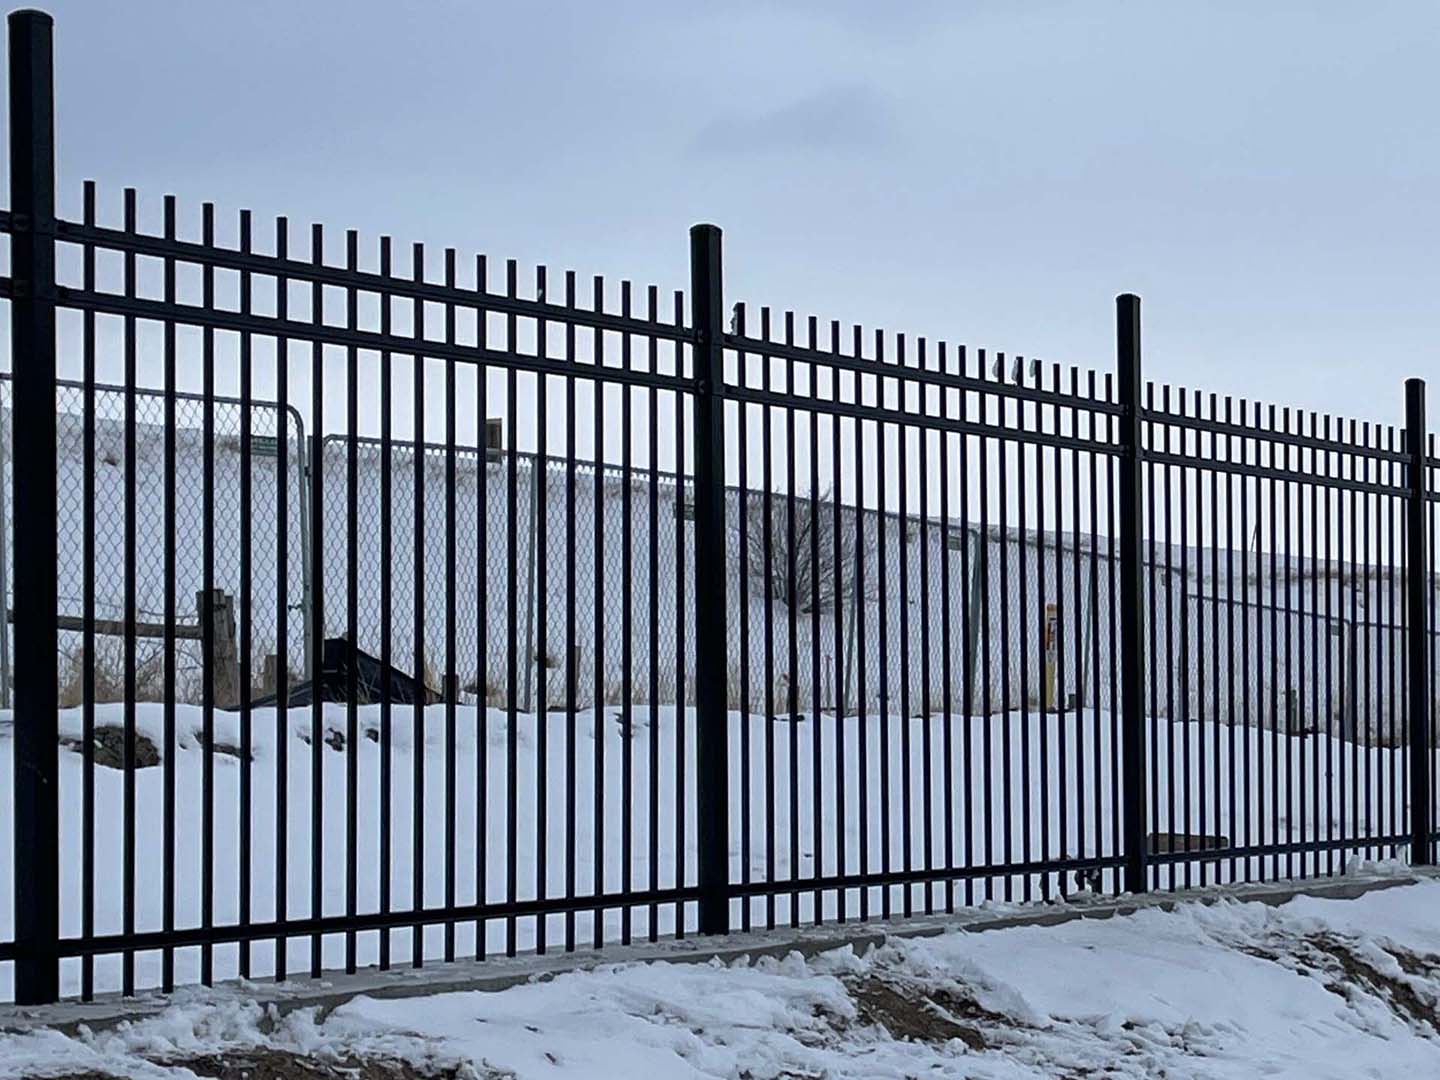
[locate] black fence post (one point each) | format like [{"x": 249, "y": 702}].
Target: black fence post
[
  {"x": 1132, "y": 657},
  {"x": 32, "y": 360},
  {"x": 1417, "y": 583},
  {"x": 712, "y": 770}
]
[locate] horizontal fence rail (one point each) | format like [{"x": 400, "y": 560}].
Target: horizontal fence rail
[{"x": 367, "y": 606}]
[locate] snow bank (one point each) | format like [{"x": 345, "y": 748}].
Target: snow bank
[{"x": 1315, "y": 988}]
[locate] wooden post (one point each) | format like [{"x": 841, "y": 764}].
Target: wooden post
[{"x": 224, "y": 669}]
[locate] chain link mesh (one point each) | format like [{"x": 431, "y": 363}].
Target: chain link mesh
[
  {"x": 107, "y": 469},
  {"x": 1338, "y": 671}
]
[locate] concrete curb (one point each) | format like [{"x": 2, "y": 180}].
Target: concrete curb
[{"x": 499, "y": 974}]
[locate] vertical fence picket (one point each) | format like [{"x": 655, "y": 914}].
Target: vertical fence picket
[
  {"x": 87, "y": 498},
  {"x": 352, "y": 605},
  {"x": 129, "y": 557},
  {"x": 540, "y": 473},
  {"x": 387, "y": 564},
  {"x": 417, "y": 541},
  {"x": 450, "y": 687},
  {"x": 244, "y": 855},
  {"x": 317, "y": 601},
  {"x": 282, "y": 607}
]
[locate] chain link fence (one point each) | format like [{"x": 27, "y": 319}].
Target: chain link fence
[
  {"x": 1006, "y": 593},
  {"x": 531, "y": 509},
  {"x": 271, "y": 440}
]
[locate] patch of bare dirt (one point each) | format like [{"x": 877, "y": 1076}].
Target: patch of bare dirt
[
  {"x": 908, "y": 1010},
  {"x": 1340, "y": 965},
  {"x": 1400, "y": 992}
]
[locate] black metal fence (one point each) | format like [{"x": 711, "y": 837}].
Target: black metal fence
[{"x": 732, "y": 620}]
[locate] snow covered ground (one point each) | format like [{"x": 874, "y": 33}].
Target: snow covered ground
[
  {"x": 1315, "y": 988},
  {"x": 993, "y": 813}
]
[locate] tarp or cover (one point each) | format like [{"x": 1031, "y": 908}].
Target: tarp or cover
[{"x": 335, "y": 663}]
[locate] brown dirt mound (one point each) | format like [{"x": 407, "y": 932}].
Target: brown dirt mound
[
  {"x": 264, "y": 1064},
  {"x": 908, "y": 1010},
  {"x": 1339, "y": 964}
]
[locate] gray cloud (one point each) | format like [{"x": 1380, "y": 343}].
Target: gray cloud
[
  {"x": 837, "y": 118},
  {"x": 988, "y": 171}
]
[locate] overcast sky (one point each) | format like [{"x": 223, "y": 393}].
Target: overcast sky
[{"x": 1266, "y": 176}]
